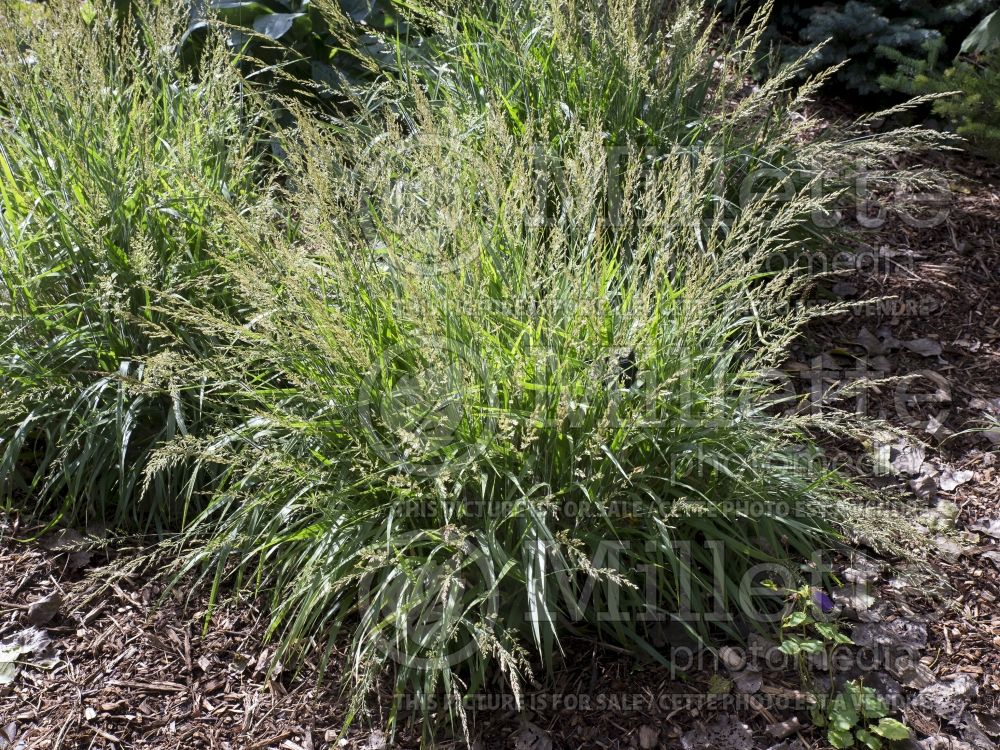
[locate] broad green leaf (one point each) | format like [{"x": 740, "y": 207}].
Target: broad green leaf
[
  {"x": 840, "y": 738},
  {"x": 873, "y": 706},
  {"x": 794, "y": 620},
  {"x": 985, "y": 37},
  {"x": 790, "y": 647},
  {"x": 828, "y": 630},
  {"x": 843, "y": 713},
  {"x": 892, "y": 729},
  {"x": 868, "y": 739},
  {"x": 818, "y": 716},
  {"x": 811, "y": 646}
]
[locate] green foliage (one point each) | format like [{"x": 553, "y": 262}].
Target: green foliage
[
  {"x": 985, "y": 37},
  {"x": 857, "y": 717},
  {"x": 506, "y": 383},
  {"x": 969, "y": 89},
  {"x": 854, "y": 32},
  {"x": 854, "y": 716},
  {"x": 324, "y": 50},
  {"x": 805, "y": 629},
  {"x": 547, "y": 76},
  {"x": 485, "y": 368},
  {"x": 111, "y": 163}
]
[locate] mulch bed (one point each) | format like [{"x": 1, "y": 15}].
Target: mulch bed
[{"x": 136, "y": 672}]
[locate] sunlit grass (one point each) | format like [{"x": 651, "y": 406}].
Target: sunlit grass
[
  {"x": 492, "y": 368},
  {"x": 112, "y": 162}
]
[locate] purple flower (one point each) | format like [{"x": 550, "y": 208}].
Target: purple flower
[{"x": 822, "y": 600}]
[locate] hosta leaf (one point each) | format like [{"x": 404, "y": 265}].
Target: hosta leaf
[
  {"x": 358, "y": 10},
  {"x": 985, "y": 37},
  {"x": 242, "y": 13},
  {"x": 275, "y": 25}
]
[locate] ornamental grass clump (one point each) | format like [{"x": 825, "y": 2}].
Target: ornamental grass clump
[
  {"x": 487, "y": 366},
  {"x": 113, "y": 162},
  {"x": 498, "y": 394}
]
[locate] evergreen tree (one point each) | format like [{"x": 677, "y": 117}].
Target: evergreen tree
[
  {"x": 858, "y": 30},
  {"x": 974, "y": 109}
]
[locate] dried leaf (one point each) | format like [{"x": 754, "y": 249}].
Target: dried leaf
[
  {"x": 532, "y": 737},
  {"x": 943, "y": 742},
  {"x": 947, "y": 700},
  {"x": 924, "y": 346},
  {"x": 785, "y": 728},
  {"x": 732, "y": 658},
  {"x": 993, "y": 557},
  {"x": 907, "y": 458},
  {"x": 948, "y": 550},
  {"x": 924, "y": 486},
  {"x": 22, "y": 643},
  {"x": 748, "y": 682},
  {"x": 988, "y": 526},
  {"x": 65, "y": 540},
  {"x": 8, "y": 672},
  {"x": 952, "y": 479},
  {"x": 649, "y": 737},
  {"x": 43, "y": 610},
  {"x": 870, "y": 342}
]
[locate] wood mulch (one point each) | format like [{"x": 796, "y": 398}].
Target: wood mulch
[{"x": 136, "y": 672}]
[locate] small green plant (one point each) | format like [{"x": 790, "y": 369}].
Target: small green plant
[
  {"x": 807, "y": 630},
  {"x": 854, "y": 715}
]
